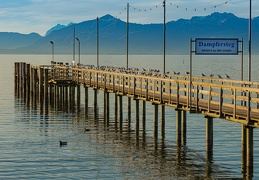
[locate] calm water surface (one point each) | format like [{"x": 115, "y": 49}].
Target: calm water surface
[{"x": 30, "y": 139}]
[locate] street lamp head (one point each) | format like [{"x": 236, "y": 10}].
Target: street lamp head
[{"x": 51, "y": 42}]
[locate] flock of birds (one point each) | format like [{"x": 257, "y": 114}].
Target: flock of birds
[
  {"x": 211, "y": 75},
  {"x": 143, "y": 71}
]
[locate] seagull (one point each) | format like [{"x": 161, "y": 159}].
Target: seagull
[
  {"x": 165, "y": 75},
  {"x": 219, "y": 76},
  {"x": 62, "y": 143},
  {"x": 227, "y": 76},
  {"x": 203, "y": 75}
]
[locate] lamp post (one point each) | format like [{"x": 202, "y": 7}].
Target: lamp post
[
  {"x": 78, "y": 50},
  {"x": 51, "y": 42}
]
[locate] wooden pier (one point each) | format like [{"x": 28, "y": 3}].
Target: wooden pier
[{"x": 58, "y": 83}]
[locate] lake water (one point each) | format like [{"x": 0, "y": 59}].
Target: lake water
[{"x": 30, "y": 139}]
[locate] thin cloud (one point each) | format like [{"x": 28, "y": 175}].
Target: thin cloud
[{"x": 27, "y": 16}]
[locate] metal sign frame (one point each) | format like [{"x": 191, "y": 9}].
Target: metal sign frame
[{"x": 193, "y": 51}]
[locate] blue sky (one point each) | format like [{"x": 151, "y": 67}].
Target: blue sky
[{"x": 27, "y": 16}]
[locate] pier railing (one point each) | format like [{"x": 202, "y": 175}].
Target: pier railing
[{"x": 221, "y": 98}]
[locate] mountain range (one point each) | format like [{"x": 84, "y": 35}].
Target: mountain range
[{"x": 143, "y": 38}]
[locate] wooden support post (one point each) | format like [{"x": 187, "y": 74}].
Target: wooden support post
[
  {"x": 18, "y": 79},
  {"x": 116, "y": 108},
  {"x": 107, "y": 109},
  {"x": 162, "y": 121},
  {"x": 78, "y": 99},
  {"x": 62, "y": 97},
  {"x": 35, "y": 76},
  {"x": 28, "y": 83},
  {"x": 24, "y": 81},
  {"x": 209, "y": 138},
  {"x": 120, "y": 113},
  {"x": 16, "y": 67},
  {"x": 73, "y": 88},
  {"x": 146, "y": 89},
  {"x": 70, "y": 97},
  {"x": 95, "y": 104},
  {"x": 243, "y": 149},
  {"x": 220, "y": 102},
  {"x": 178, "y": 126},
  {"x": 66, "y": 98},
  {"x": 41, "y": 87},
  {"x": 86, "y": 100},
  {"x": 51, "y": 94},
  {"x": 32, "y": 86},
  {"x": 144, "y": 117},
  {"x": 129, "y": 113},
  {"x": 56, "y": 97},
  {"x": 137, "y": 118},
  {"x": 248, "y": 107},
  {"x": 209, "y": 98},
  {"x": 249, "y": 152},
  {"x": 104, "y": 104},
  {"x": 46, "y": 102},
  {"x": 184, "y": 128},
  {"x": 155, "y": 121}
]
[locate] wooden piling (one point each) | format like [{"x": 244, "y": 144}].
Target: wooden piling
[
  {"x": 243, "y": 149},
  {"x": 249, "y": 152},
  {"x": 95, "y": 103},
  {"x": 116, "y": 108},
  {"x": 66, "y": 98},
  {"x": 86, "y": 100},
  {"x": 104, "y": 104},
  {"x": 209, "y": 138},
  {"x": 28, "y": 83},
  {"x": 31, "y": 85},
  {"x": 56, "y": 96},
  {"x": 162, "y": 121},
  {"x": 144, "y": 117},
  {"x": 23, "y": 81},
  {"x": 35, "y": 77},
  {"x": 73, "y": 98},
  {"x": 137, "y": 118},
  {"x": 41, "y": 88},
  {"x": 120, "y": 114},
  {"x": 46, "y": 98},
  {"x": 16, "y": 67},
  {"x": 78, "y": 98},
  {"x": 155, "y": 121},
  {"x": 107, "y": 109},
  {"x": 184, "y": 127},
  {"x": 129, "y": 112},
  {"x": 178, "y": 126}
]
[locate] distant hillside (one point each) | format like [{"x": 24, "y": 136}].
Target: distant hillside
[
  {"x": 143, "y": 38},
  {"x": 10, "y": 40},
  {"x": 57, "y": 27}
]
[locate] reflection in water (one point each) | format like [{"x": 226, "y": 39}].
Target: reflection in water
[{"x": 114, "y": 152}]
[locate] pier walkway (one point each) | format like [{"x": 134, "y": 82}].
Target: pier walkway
[{"x": 227, "y": 99}]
